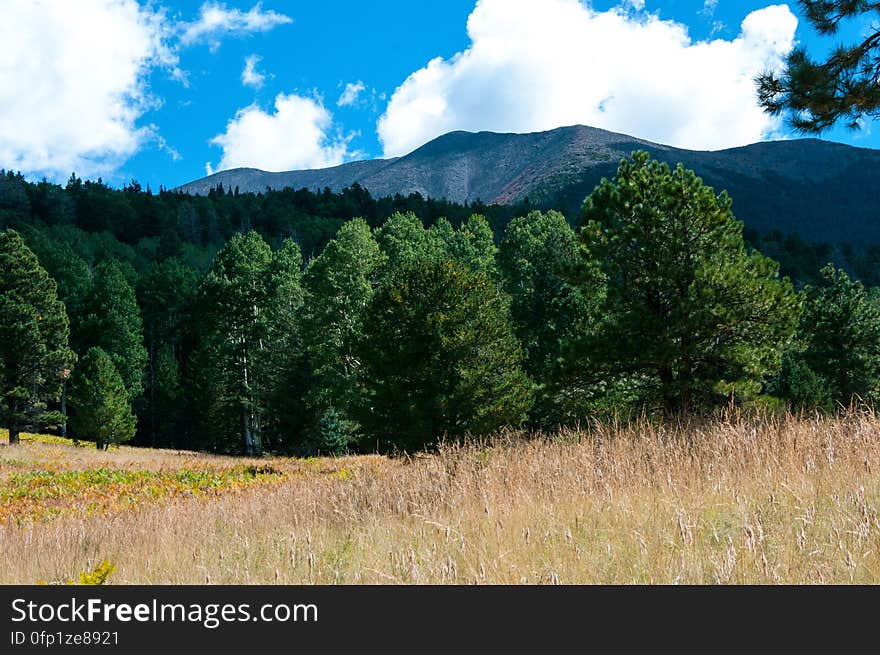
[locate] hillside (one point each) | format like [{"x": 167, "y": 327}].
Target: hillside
[{"x": 821, "y": 190}]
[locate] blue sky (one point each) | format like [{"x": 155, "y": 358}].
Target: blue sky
[{"x": 164, "y": 91}]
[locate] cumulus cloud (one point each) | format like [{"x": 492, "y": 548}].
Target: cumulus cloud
[
  {"x": 350, "y": 94},
  {"x": 74, "y": 78},
  {"x": 250, "y": 76},
  {"x": 74, "y": 83},
  {"x": 539, "y": 64},
  {"x": 296, "y": 135},
  {"x": 216, "y": 20}
]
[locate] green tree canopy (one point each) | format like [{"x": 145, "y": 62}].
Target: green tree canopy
[
  {"x": 439, "y": 358},
  {"x": 165, "y": 294},
  {"x": 338, "y": 284},
  {"x": 690, "y": 313},
  {"x": 405, "y": 242},
  {"x": 228, "y": 363},
  {"x": 537, "y": 257},
  {"x": 102, "y": 402},
  {"x": 840, "y": 328},
  {"x": 113, "y": 323},
  {"x": 283, "y": 360},
  {"x": 34, "y": 356},
  {"x": 817, "y": 94},
  {"x": 473, "y": 246}
]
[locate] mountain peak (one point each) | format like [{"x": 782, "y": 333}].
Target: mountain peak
[{"x": 787, "y": 185}]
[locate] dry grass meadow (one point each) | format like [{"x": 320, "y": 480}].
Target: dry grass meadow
[{"x": 781, "y": 500}]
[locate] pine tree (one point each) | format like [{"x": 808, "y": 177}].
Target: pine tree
[
  {"x": 166, "y": 398},
  {"x": 233, "y": 299},
  {"x": 840, "y": 329},
  {"x": 690, "y": 314},
  {"x": 165, "y": 294},
  {"x": 330, "y": 436},
  {"x": 34, "y": 356},
  {"x": 74, "y": 280},
  {"x": 844, "y": 87},
  {"x": 103, "y": 406},
  {"x": 537, "y": 256},
  {"x": 113, "y": 323},
  {"x": 439, "y": 359}
]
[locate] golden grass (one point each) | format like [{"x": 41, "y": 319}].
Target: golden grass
[
  {"x": 778, "y": 500},
  {"x": 47, "y": 477}
]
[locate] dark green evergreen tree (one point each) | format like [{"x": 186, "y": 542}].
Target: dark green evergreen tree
[
  {"x": 228, "y": 362},
  {"x": 800, "y": 386},
  {"x": 103, "y": 405},
  {"x": 330, "y": 436},
  {"x": 34, "y": 356},
  {"x": 840, "y": 329},
  {"x": 166, "y": 399},
  {"x": 537, "y": 257},
  {"x": 845, "y": 86},
  {"x": 165, "y": 293},
  {"x": 690, "y": 315},
  {"x": 74, "y": 280},
  {"x": 439, "y": 359},
  {"x": 113, "y": 323}
]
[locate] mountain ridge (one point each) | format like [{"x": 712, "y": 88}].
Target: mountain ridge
[{"x": 812, "y": 187}]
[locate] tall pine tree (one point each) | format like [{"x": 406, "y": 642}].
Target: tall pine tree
[
  {"x": 165, "y": 294},
  {"x": 439, "y": 359},
  {"x": 537, "y": 256},
  {"x": 102, "y": 401},
  {"x": 691, "y": 315},
  {"x": 840, "y": 330},
  {"x": 34, "y": 356},
  {"x": 113, "y": 323},
  {"x": 248, "y": 344}
]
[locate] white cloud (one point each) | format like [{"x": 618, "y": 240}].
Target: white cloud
[
  {"x": 163, "y": 145},
  {"x": 250, "y": 76},
  {"x": 708, "y": 12},
  {"x": 539, "y": 64},
  {"x": 350, "y": 93},
  {"x": 74, "y": 78},
  {"x": 295, "y": 136},
  {"x": 74, "y": 83},
  {"x": 216, "y": 20}
]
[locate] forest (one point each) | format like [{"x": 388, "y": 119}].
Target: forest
[{"x": 318, "y": 323}]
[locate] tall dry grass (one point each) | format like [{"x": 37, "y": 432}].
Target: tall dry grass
[{"x": 777, "y": 500}]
